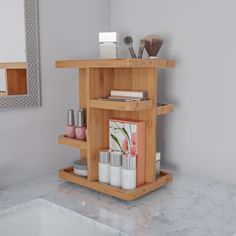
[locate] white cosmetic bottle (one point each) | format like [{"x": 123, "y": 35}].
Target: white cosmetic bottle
[
  {"x": 129, "y": 171},
  {"x": 104, "y": 166},
  {"x": 115, "y": 168}
]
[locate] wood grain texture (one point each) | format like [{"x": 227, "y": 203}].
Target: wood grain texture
[
  {"x": 16, "y": 81},
  {"x": 163, "y": 109},
  {"x": 71, "y": 142},
  {"x": 13, "y": 65},
  {"x": 128, "y": 195},
  {"x": 121, "y": 106},
  {"x": 116, "y": 63},
  {"x": 3, "y": 93},
  {"x": 83, "y": 98}
]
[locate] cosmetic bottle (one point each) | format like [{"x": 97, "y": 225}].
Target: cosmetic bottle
[
  {"x": 128, "y": 171},
  {"x": 158, "y": 163},
  {"x": 81, "y": 125},
  {"x": 70, "y": 128},
  {"x": 108, "y": 44},
  {"x": 104, "y": 166},
  {"x": 115, "y": 168}
]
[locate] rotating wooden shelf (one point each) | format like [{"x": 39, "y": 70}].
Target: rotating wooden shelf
[
  {"x": 96, "y": 79},
  {"x": 128, "y": 195}
]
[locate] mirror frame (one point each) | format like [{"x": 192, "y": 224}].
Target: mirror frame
[{"x": 33, "y": 96}]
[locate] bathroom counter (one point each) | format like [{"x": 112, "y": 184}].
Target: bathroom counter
[{"x": 188, "y": 206}]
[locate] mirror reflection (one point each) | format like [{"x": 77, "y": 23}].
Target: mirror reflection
[{"x": 13, "y": 79}]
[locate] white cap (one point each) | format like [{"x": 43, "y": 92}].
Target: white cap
[
  {"x": 108, "y": 37},
  {"x": 158, "y": 156}
]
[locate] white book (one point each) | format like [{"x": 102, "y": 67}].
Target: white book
[{"x": 131, "y": 94}]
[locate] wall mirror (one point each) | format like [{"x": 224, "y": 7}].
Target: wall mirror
[{"x": 19, "y": 54}]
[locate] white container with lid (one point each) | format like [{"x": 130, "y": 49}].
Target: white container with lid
[
  {"x": 115, "y": 168},
  {"x": 108, "y": 44},
  {"x": 104, "y": 166},
  {"x": 80, "y": 167},
  {"x": 129, "y": 171},
  {"x": 158, "y": 163}
]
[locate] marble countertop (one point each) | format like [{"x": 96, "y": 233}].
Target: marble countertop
[{"x": 188, "y": 206}]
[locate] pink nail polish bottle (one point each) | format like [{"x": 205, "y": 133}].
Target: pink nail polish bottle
[
  {"x": 70, "y": 128},
  {"x": 81, "y": 125}
]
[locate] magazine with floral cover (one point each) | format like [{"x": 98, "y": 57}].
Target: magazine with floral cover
[{"x": 129, "y": 137}]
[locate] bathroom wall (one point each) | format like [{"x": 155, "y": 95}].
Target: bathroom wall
[
  {"x": 199, "y": 137},
  {"x": 28, "y": 138}
]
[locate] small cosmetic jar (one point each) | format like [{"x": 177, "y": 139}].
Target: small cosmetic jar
[{"x": 80, "y": 167}]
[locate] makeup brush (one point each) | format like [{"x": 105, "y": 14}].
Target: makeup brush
[
  {"x": 141, "y": 48},
  {"x": 129, "y": 43},
  {"x": 153, "y": 45}
]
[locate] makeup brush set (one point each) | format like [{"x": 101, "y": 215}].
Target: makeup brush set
[
  {"x": 151, "y": 43},
  {"x": 108, "y": 42}
]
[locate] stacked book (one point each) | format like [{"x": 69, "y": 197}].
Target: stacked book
[{"x": 127, "y": 96}]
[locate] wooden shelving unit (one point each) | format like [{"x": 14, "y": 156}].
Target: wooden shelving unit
[{"x": 96, "y": 79}]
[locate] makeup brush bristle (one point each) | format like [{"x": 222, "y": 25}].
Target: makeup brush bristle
[
  {"x": 153, "y": 45},
  {"x": 128, "y": 40},
  {"x": 142, "y": 42}
]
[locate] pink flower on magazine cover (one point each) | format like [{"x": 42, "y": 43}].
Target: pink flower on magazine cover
[
  {"x": 134, "y": 138},
  {"x": 125, "y": 146},
  {"x": 133, "y": 149}
]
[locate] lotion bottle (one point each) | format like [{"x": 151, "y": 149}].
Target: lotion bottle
[
  {"x": 128, "y": 171},
  {"x": 115, "y": 168},
  {"x": 104, "y": 166}
]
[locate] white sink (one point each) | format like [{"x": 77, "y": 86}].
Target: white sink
[{"x": 43, "y": 218}]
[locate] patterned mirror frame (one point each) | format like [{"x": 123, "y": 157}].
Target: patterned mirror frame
[{"x": 33, "y": 96}]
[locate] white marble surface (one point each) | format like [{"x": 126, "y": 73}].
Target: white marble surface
[
  {"x": 190, "y": 206},
  {"x": 44, "y": 216}
]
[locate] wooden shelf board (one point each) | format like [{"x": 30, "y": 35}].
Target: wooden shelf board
[
  {"x": 163, "y": 109},
  {"x": 121, "y": 106},
  {"x": 128, "y": 195},
  {"x": 62, "y": 139},
  {"x": 3, "y": 93},
  {"x": 13, "y": 65},
  {"x": 116, "y": 63}
]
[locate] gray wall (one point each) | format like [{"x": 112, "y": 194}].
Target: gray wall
[
  {"x": 28, "y": 139},
  {"x": 199, "y": 137}
]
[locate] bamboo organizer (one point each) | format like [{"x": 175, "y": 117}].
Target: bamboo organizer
[{"x": 96, "y": 79}]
